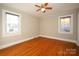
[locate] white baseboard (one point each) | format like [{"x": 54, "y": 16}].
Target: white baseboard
[
  {"x": 14, "y": 43},
  {"x": 58, "y": 38}
]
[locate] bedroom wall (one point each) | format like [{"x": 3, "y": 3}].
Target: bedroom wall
[
  {"x": 29, "y": 27},
  {"x": 49, "y": 25},
  {"x": 0, "y": 22},
  {"x": 78, "y": 30}
]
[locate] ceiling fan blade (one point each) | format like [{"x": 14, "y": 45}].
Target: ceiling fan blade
[
  {"x": 48, "y": 7},
  {"x": 46, "y": 4},
  {"x": 38, "y": 9},
  {"x": 37, "y": 5}
]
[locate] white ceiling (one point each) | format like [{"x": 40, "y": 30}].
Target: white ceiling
[{"x": 30, "y": 8}]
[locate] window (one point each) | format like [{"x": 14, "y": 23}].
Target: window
[
  {"x": 11, "y": 23},
  {"x": 65, "y": 24}
]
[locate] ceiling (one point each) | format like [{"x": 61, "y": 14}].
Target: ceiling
[{"x": 30, "y": 8}]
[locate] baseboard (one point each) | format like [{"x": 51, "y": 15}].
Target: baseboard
[
  {"x": 14, "y": 43},
  {"x": 58, "y": 38}
]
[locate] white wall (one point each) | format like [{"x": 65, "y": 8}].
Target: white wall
[
  {"x": 49, "y": 25},
  {"x": 78, "y": 30},
  {"x": 29, "y": 27}
]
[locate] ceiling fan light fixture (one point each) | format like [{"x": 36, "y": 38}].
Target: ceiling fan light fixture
[{"x": 43, "y": 9}]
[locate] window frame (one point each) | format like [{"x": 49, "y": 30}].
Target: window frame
[
  {"x": 71, "y": 25},
  {"x": 4, "y": 33}
]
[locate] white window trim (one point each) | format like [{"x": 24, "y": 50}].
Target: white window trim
[
  {"x": 4, "y": 34},
  {"x": 71, "y": 29}
]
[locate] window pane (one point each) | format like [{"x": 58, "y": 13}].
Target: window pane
[
  {"x": 65, "y": 24},
  {"x": 12, "y": 23}
]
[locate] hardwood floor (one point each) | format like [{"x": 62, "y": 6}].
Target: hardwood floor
[{"x": 41, "y": 47}]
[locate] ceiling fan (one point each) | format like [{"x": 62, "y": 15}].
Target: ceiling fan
[{"x": 43, "y": 7}]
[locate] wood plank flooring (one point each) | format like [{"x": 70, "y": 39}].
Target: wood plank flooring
[{"x": 41, "y": 47}]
